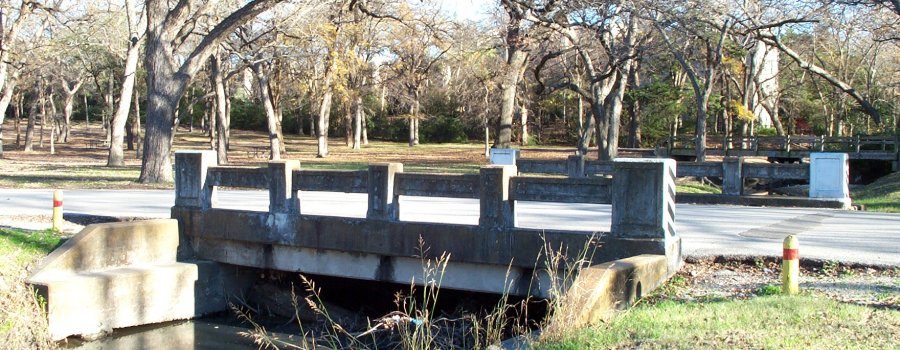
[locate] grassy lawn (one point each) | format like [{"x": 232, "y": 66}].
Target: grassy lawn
[
  {"x": 882, "y": 195},
  {"x": 22, "y": 321},
  {"x": 769, "y": 322}
]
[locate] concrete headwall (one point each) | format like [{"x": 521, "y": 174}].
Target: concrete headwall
[{"x": 124, "y": 274}]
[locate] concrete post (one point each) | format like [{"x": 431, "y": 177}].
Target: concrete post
[
  {"x": 732, "y": 176},
  {"x": 494, "y": 197},
  {"x": 282, "y": 197},
  {"x": 643, "y": 210},
  {"x": 829, "y": 176},
  {"x": 381, "y": 191},
  {"x": 643, "y": 198},
  {"x": 190, "y": 178},
  {"x": 575, "y": 165}
]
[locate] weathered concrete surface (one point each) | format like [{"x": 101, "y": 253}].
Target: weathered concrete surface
[
  {"x": 830, "y": 176},
  {"x": 124, "y": 274},
  {"x": 388, "y": 251},
  {"x": 599, "y": 290}
]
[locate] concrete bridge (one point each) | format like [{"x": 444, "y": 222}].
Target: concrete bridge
[
  {"x": 791, "y": 147},
  {"x": 825, "y": 171},
  {"x": 600, "y": 270}
]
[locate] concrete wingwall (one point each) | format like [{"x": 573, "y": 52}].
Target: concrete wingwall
[{"x": 124, "y": 274}]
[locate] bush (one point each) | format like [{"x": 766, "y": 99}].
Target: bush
[
  {"x": 442, "y": 129},
  {"x": 247, "y": 115},
  {"x": 766, "y": 132}
]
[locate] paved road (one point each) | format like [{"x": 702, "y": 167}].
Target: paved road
[{"x": 871, "y": 238}]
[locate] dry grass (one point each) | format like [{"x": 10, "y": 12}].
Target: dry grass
[
  {"x": 81, "y": 164},
  {"x": 23, "y": 324}
]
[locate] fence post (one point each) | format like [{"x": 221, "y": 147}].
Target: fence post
[
  {"x": 190, "y": 179},
  {"x": 732, "y": 176},
  {"x": 643, "y": 209},
  {"x": 575, "y": 165},
  {"x": 381, "y": 190},
  {"x": 494, "y": 197},
  {"x": 282, "y": 198}
]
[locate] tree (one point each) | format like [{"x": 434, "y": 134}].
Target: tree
[
  {"x": 168, "y": 76},
  {"x": 117, "y": 124},
  {"x": 517, "y": 46},
  {"x": 703, "y": 81}
]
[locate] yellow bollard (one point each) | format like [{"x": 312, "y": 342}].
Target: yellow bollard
[
  {"x": 790, "y": 266},
  {"x": 57, "y": 210}
]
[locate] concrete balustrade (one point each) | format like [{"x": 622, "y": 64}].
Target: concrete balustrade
[
  {"x": 496, "y": 187},
  {"x": 381, "y": 247},
  {"x": 733, "y": 171}
]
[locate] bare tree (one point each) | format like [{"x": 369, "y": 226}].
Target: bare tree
[{"x": 169, "y": 28}]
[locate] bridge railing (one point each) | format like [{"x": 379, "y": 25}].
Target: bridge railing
[
  {"x": 641, "y": 191},
  {"x": 732, "y": 170},
  {"x": 791, "y": 143}
]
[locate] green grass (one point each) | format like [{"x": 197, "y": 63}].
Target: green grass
[
  {"x": 697, "y": 188},
  {"x": 22, "y": 247},
  {"x": 770, "y": 322},
  {"x": 882, "y": 195},
  {"x": 453, "y": 168},
  {"x": 23, "y": 324}
]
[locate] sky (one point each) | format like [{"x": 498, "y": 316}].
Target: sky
[{"x": 468, "y": 9}]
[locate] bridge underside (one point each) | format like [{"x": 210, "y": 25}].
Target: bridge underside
[{"x": 497, "y": 260}]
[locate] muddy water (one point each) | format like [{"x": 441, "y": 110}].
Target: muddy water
[{"x": 222, "y": 332}]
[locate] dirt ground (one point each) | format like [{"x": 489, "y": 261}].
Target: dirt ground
[
  {"x": 738, "y": 277},
  {"x": 85, "y": 147}
]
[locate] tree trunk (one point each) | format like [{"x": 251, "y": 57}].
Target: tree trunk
[
  {"x": 212, "y": 115},
  {"x": 325, "y": 110},
  {"x": 634, "y": 108},
  {"x": 54, "y": 124},
  {"x": 262, "y": 79},
  {"x": 358, "y": 117},
  {"x": 164, "y": 89},
  {"x": 87, "y": 114},
  {"x": 166, "y": 82},
  {"x": 43, "y": 100},
  {"x": 19, "y": 106},
  {"x": 365, "y": 129},
  {"x": 220, "y": 112},
  {"x": 613, "y": 110},
  {"x": 348, "y": 123},
  {"x": 512, "y": 73},
  {"x": 69, "y": 105},
  {"x": 8, "y": 90},
  {"x": 29, "y": 127},
  {"x": 413, "y": 119},
  {"x": 116, "y": 152},
  {"x": 523, "y": 118},
  {"x": 137, "y": 125}
]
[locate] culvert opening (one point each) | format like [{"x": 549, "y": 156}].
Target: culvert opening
[{"x": 381, "y": 315}]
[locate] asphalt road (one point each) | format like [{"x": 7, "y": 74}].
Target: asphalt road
[{"x": 871, "y": 238}]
